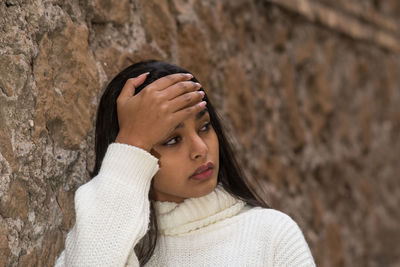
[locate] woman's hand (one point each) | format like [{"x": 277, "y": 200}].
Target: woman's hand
[{"x": 150, "y": 116}]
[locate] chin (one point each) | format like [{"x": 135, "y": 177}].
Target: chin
[{"x": 208, "y": 187}]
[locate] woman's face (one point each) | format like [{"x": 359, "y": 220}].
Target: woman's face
[{"x": 192, "y": 145}]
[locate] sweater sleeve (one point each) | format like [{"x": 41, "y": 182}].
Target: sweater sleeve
[
  {"x": 290, "y": 246},
  {"x": 112, "y": 210}
]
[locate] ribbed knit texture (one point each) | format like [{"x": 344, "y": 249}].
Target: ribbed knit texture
[
  {"x": 112, "y": 214},
  {"x": 195, "y": 213},
  {"x": 112, "y": 210}
]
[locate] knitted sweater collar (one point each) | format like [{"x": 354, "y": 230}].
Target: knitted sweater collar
[{"x": 194, "y": 213}]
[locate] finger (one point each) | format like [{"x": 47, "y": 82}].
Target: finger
[
  {"x": 129, "y": 88},
  {"x": 180, "y": 88},
  {"x": 166, "y": 81},
  {"x": 186, "y": 100},
  {"x": 185, "y": 113}
]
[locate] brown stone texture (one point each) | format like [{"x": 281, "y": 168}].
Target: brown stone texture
[
  {"x": 64, "y": 66},
  {"x": 104, "y": 11},
  {"x": 308, "y": 90}
]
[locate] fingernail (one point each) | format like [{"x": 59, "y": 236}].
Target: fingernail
[
  {"x": 198, "y": 85},
  {"x": 202, "y": 103},
  {"x": 189, "y": 75},
  {"x": 143, "y": 74},
  {"x": 201, "y": 92}
]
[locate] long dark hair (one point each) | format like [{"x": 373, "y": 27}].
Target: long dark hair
[{"x": 230, "y": 176}]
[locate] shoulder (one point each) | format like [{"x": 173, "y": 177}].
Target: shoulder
[
  {"x": 270, "y": 216},
  {"x": 285, "y": 238},
  {"x": 274, "y": 221}
]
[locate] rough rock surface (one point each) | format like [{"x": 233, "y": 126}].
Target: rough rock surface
[{"x": 310, "y": 90}]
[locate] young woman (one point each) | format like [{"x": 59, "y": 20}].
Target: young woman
[{"x": 167, "y": 190}]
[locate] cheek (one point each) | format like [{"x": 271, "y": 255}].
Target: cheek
[
  {"x": 168, "y": 173},
  {"x": 215, "y": 151},
  {"x": 214, "y": 144}
]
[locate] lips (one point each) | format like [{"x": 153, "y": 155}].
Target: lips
[{"x": 203, "y": 168}]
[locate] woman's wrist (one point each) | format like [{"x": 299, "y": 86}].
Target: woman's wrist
[{"x": 133, "y": 142}]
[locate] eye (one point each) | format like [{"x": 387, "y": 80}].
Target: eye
[
  {"x": 172, "y": 141},
  {"x": 206, "y": 127},
  {"x": 176, "y": 139}
]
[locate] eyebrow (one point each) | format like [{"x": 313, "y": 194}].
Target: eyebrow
[{"x": 198, "y": 117}]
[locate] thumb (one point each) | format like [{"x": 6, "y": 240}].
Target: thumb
[{"x": 129, "y": 88}]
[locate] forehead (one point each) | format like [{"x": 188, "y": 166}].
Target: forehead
[
  {"x": 197, "y": 117},
  {"x": 201, "y": 114}
]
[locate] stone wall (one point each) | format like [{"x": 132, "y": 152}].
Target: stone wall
[{"x": 310, "y": 91}]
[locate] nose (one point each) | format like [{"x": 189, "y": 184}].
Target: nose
[{"x": 198, "y": 148}]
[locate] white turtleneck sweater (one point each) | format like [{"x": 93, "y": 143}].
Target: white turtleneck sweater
[{"x": 112, "y": 215}]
